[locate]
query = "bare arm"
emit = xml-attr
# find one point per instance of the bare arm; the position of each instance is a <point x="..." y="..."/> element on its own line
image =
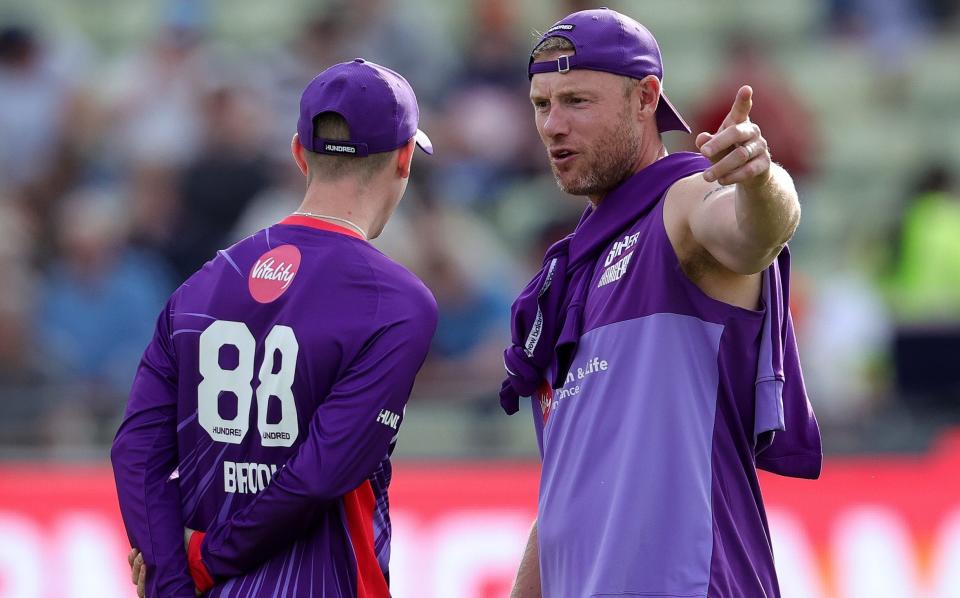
<point x="744" y="208"/>
<point x="527" y="584"/>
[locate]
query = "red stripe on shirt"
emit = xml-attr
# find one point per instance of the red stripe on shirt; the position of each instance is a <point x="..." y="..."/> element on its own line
<point x="359" y="505"/>
<point x="312" y="222"/>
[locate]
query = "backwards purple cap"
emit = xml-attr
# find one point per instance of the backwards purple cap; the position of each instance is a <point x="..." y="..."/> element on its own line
<point x="605" y="40"/>
<point x="378" y="104"/>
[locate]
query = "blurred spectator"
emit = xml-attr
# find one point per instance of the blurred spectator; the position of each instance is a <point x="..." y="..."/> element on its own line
<point x="472" y="316"/>
<point x="892" y="30"/>
<point x="151" y="96"/>
<point x="787" y="124"/>
<point x="274" y="203"/>
<point x="407" y="38"/>
<point x="286" y="70"/>
<point x="42" y="115"/>
<point x="200" y="145"/>
<point x="21" y="369"/>
<point x="924" y="284"/>
<point x="341" y="30"/>
<point x="924" y="289"/>
<point x="942" y="14"/>
<point x="98" y="301"/>
<point x="216" y="187"/>
<point x="843" y="339"/>
<point x="153" y="204"/>
<point x="472" y="277"/>
<point x="489" y="136"/>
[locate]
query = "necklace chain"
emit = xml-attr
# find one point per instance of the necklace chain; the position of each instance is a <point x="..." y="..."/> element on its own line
<point x="362" y="232"/>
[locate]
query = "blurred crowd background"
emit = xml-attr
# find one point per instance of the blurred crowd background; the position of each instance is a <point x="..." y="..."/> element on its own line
<point x="139" y="136"/>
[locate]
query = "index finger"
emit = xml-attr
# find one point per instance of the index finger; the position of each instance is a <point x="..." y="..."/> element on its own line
<point x="740" y="111"/>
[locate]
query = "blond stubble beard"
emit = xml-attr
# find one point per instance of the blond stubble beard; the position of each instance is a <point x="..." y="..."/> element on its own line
<point x="607" y="163"/>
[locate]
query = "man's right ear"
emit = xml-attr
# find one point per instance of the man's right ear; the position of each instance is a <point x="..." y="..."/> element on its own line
<point x="296" y="148"/>
<point x="405" y="158"/>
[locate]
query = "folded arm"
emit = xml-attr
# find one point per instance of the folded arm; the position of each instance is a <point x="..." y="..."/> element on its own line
<point x="144" y="454"/>
<point x="350" y="434"/>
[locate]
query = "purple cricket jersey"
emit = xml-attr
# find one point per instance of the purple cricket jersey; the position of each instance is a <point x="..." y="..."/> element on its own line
<point x="652" y="439"/>
<point x="264" y="413"/>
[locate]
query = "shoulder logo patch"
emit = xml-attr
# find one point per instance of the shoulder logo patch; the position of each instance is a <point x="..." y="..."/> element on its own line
<point x="272" y="274"/>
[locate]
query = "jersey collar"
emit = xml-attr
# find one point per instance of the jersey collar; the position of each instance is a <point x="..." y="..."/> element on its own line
<point x="317" y="223"/>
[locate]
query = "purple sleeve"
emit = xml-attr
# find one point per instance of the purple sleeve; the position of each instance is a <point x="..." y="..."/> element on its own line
<point x="350" y="434"/>
<point x="144" y="454"/>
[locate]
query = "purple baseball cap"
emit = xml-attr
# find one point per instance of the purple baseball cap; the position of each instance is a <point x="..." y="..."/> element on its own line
<point x="378" y="104"/>
<point x="605" y="40"/>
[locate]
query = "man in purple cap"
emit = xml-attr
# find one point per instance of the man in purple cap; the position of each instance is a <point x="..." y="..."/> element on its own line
<point x="327" y="334"/>
<point x="656" y="342"/>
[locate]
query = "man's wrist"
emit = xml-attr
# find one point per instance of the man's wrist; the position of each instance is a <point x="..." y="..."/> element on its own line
<point x="761" y="185"/>
<point x="198" y="571"/>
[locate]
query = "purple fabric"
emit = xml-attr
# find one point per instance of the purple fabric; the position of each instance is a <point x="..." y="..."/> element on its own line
<point x="378" y="104"/>
<point x="605" y="40"/>
<point x="785" y="427"/>
<point x="625" y="498"/>
<point x="363" y="324"/>
<point x="651" y="440"/>
<point x="659" y="456"/>
<point x="547" y="317"/>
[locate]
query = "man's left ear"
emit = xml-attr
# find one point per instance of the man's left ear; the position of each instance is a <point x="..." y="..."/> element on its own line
<point x="649" y="90"/>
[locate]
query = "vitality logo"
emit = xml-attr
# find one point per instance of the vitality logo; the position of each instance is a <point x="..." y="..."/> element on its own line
<point x="272" y="274"/>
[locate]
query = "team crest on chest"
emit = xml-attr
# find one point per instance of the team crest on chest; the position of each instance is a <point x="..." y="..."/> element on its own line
<point x="545" y="396"/>
<point x="616" y="264"/>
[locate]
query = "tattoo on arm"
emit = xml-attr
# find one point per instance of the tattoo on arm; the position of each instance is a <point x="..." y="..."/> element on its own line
<point x="714" y="190"/>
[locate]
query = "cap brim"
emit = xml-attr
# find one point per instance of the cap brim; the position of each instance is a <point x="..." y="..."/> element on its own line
<point x="668" y="117"/>
<point x="424" y="142"/>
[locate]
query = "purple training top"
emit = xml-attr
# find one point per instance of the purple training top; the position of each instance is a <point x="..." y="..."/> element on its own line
<point x="651" y="438"/>
<point x="264" y="413"/>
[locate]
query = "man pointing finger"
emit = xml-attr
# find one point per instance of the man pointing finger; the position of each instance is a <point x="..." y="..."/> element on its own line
<point x="676" y="282"/>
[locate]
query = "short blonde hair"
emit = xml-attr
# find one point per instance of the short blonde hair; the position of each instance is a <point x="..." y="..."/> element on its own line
<point x="330" y="125"/>
<point x="552" y="44"/>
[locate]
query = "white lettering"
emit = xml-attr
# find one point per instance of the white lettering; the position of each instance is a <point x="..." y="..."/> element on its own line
<point x="946" y="560"/>
<point x="620" y="246"/>
<point x="263" y="476"/>
<point x="247" y="478"/>
<point x="229" y="476"/>
<point x="796" y="559"/>
<point x="594" y="365"/>
<point x="549" y="279"/>
<point x="265" y="270"/>
<point x="534" y="337"/>
<point x="874" y="538"/>
<point x="242" y="477"/>
<point x="228" y="431"/>
<point x="84" y="539"/>
<point x="21" y="556"/>
<point x="389" y="419"/>
<point x="615" y="272"/>
<point x="346" y="149"/>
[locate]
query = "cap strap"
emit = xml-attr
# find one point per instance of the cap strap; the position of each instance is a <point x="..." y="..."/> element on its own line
<point x="563" y="64"/>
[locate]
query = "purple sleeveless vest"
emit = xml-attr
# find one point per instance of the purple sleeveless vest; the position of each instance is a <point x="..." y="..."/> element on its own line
<point x="663" y="404"/>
